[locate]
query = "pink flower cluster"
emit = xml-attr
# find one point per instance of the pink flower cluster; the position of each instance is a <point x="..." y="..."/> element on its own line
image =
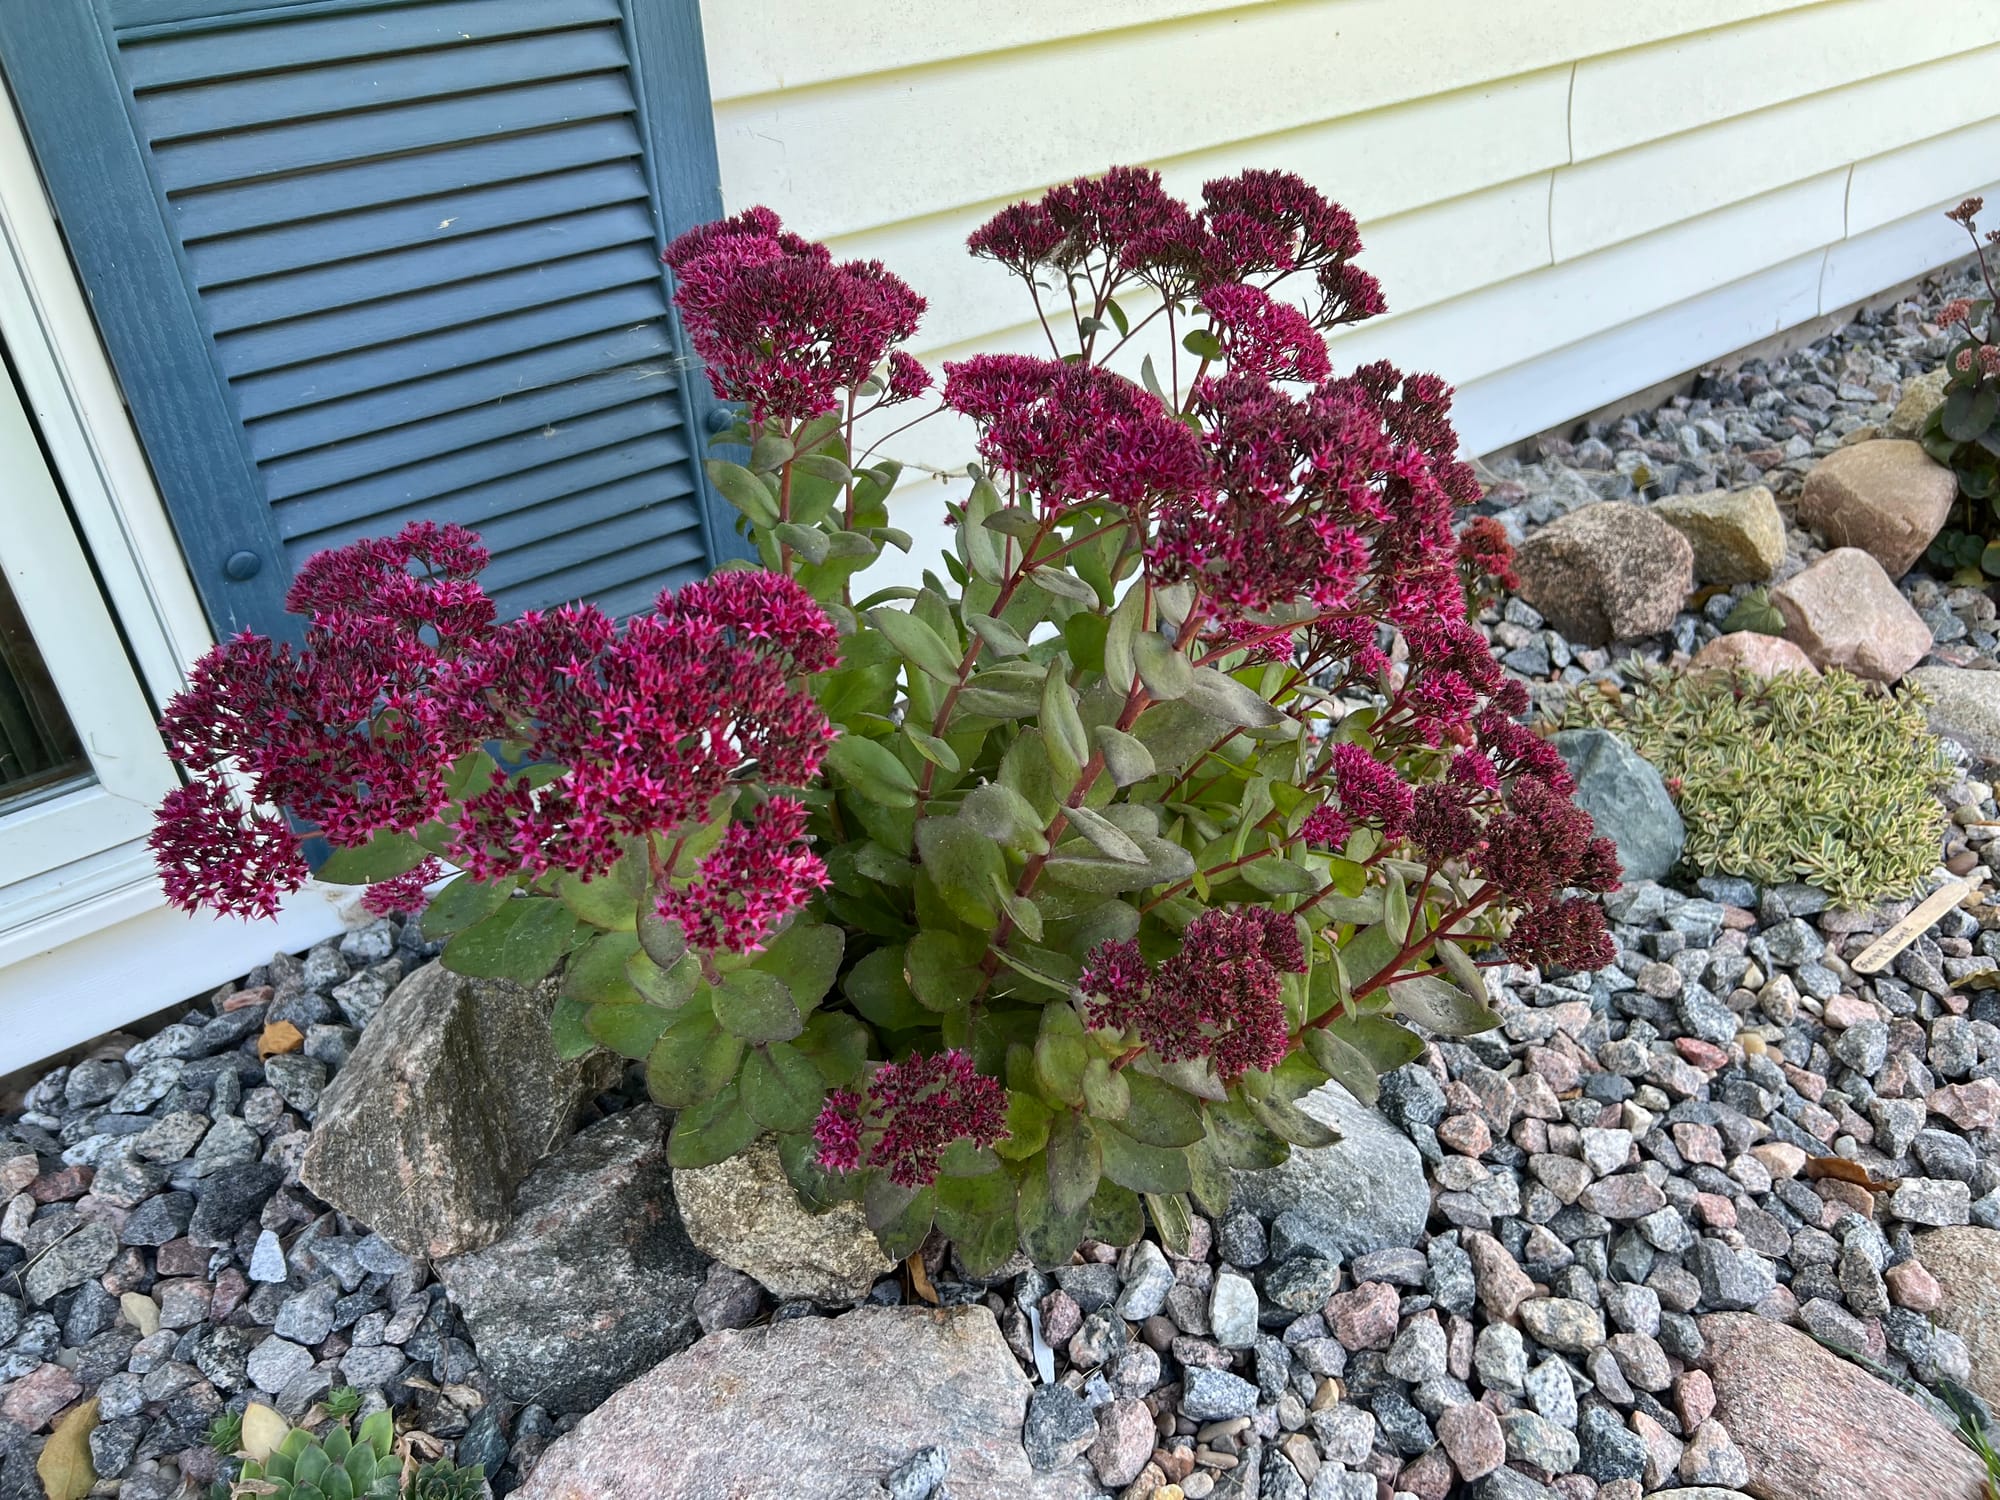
<point x="1219" y="997"/>
<point x="404" y="672"/>
<point x="1073" y="432"/>
<point x="911" y="1111"/>
<point x="1125" y="226"/>
<point x="761" y="873"/>
<point x="781" y="326"/>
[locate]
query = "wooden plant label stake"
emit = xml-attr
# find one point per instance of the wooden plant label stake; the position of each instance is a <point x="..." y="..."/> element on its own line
<point x="1877" y="954"/>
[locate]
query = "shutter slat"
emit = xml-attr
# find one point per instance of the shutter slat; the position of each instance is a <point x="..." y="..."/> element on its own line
<point x="375" y="32"/>
<point x="299" y="386"/>
<point x="329" y="191"/>
<point x="304" y="293"/>
<point x="406" y="255"/>
<point x="400" y="447"/>
<point x="350" y="328"/>
<point x="426" y="221"/>
<point x="605" y="558"/>
<point x="412" y="127"/>
<point x="434" y="479"/>
<point x="458" y="390"/>
<point x="600" y="483"/>
<point x="347" y="88"/>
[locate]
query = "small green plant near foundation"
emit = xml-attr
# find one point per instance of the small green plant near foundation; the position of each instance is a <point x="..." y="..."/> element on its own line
<point x="1972" y="1432"/>
<point x="342" y="1401"/>
<point x="1818" y="779"/>
<point x="1755" y="612"/>
<point x="225" y="1433"/>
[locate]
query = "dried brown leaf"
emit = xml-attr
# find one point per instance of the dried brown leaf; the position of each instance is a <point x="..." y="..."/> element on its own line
<point x="920" y="1279"/>
<point x="280" y="1036"/>
<point x="1842" y="1170"/>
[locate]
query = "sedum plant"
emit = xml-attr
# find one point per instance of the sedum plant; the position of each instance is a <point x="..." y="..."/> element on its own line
<point x="1007" y="899"/>
<point x="1963" y="433"/>
<point x="334" y="1466"/>
<point x="1800" y="777"/>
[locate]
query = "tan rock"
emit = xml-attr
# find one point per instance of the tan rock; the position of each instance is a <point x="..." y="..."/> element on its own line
<point x="1843" y="611"/>
<point x="744" y="1213"/>
<point x="1763" y="656"/>
<point x="1964" y="1263"/>
<point x="811" y="1408"/>
<point x="1606" y="572"/>
<point x="1922" y="395"/>
<point x="1810" y="1425"/>
<point x="1738" y="535"/>
<point x="1887" y="497"/>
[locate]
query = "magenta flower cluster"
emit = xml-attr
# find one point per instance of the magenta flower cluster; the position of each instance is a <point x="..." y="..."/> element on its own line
<point x="910" y="1112"/>
<point x="782" y="327"/>
<point x="403" y="672"/>
<point x="1220" y="996"/>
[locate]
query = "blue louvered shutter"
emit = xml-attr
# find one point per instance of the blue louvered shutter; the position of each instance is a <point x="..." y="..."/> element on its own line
<point x="361" y="262"/>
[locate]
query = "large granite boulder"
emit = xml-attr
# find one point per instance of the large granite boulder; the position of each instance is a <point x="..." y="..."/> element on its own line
<point x="1367" y="1191"/>
<point x="453" y="1093"/>
<point x="744" y="1213"/>
<point x="1606" y="572"/>
<point x="1844" y="612"/>
<point x="1811" y="1425"/>
<point x="1737" y="535"/>
<point x="595" y="1280"/>
<point x="1627" y="800"/>
<point x="1965" y="706"/>
<point x="1965" y="1263"/>
<point x="812" y="1409"/>
<point x="1888" y="497"/>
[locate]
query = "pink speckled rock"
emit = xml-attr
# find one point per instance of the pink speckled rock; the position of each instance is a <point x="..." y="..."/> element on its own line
<point x="1763" y="656"/>
<point x="1844" y="612"/>
<point x="1810" y="1425"/>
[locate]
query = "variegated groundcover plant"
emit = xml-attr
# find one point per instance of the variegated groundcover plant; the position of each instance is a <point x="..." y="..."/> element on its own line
<point x="1006" y="901"/>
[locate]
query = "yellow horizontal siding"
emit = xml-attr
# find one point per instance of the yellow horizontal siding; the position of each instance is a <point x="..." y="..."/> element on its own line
<point x="764" y="46"/>
<point x="1541" y="184"/>
<point x="1644" y="93"/>
<point x="1606" y="199"/>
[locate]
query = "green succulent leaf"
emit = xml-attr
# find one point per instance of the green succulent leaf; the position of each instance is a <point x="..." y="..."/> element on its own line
<point x="712" y="1131"/>
<point x="522" y="941"/>
<point x="693" y="1058"/>
<point x="755" y="1005"/>
<point x="873" y="770"/>
<point x="385" y="856"/>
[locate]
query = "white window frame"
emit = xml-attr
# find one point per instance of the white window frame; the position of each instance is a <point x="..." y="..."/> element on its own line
<point x="86" y="941"/>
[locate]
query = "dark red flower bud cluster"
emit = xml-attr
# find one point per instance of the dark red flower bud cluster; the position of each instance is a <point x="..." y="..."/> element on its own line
<point x="403" y="673"/>
<point x="910" y="1112"/>
<point x="1220" y="997"/>
<point x="782" y="327"/>
<point x="1074" y="432"/>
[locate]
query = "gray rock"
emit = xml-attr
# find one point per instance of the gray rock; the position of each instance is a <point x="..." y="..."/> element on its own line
<point x="1607" y="1449"/>
<point x="1147" y="1283"/>
<point x="1562" y="1323"/>
<point x="1057" y="1429"/>
<point x="1533" y="1439"/>
<point x="277" y="1362"/>
<point x="1368" y="1189"/>
<point x="1730" y="1279"/>
<point x="453" y="1094"/>
<point x="810" y="1408"/>
<point x="69" y="1262"/>
<point x="1965" y="706"/>
<point x="918" y="1476"/>
<point x="595" y="1279"/>
<point x="1232" y="1311"/>
<point x="1216" y="1395"/>
<point x="744" y="1213"/>
<point x="307" y="1317"/>
<point x="1627" y="800"/>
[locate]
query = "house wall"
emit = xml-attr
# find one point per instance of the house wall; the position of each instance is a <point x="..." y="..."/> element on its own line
<point x="1565" y="200"/>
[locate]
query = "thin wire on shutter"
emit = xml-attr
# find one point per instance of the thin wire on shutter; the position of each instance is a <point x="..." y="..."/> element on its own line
<point x="421" y="242"/>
